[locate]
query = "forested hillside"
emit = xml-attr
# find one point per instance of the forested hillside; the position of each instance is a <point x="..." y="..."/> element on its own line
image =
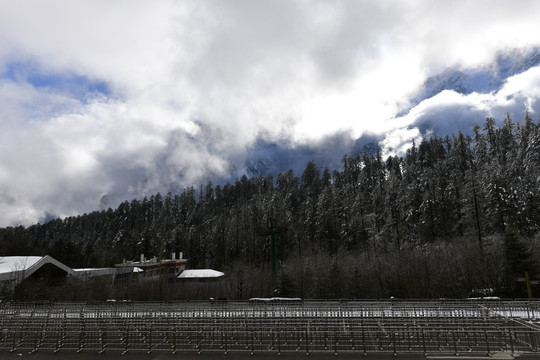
<point x="454" y="214"/>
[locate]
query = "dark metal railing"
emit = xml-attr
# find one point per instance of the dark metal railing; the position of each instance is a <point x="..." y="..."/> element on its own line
<point x="364" y="327"/>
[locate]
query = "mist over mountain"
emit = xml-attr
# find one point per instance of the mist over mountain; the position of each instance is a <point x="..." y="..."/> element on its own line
<point x="266" y="157"/>
<point x="274" y="157"/>
<point x="183" y="93"/>
<point x="454" y="100"/>
<point x="486" y="78"/>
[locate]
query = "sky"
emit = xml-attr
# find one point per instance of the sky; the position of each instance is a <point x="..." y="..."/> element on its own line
<point x="103" y="101"/>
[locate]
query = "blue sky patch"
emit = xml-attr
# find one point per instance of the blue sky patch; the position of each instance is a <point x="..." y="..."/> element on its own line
<point x="66" y="83"/>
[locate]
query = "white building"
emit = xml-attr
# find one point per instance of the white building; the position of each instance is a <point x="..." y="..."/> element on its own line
<point x="16" y="269"/>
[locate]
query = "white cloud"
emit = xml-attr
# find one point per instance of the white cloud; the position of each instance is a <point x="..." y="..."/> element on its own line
<point x="192" y="84"/>
<point x="398" y="140"/>
<point x="449" y="111"/>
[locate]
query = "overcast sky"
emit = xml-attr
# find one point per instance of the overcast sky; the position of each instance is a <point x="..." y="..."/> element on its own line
<point x="127" y="98"/>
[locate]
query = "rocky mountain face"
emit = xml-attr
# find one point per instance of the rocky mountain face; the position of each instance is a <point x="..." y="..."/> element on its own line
<point x="274" y="157"/>
<point x="484" y="79"/>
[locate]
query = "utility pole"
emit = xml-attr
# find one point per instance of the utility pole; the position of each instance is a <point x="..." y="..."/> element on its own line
<point x="272" y="231"/>
<point x="529" y="291"/>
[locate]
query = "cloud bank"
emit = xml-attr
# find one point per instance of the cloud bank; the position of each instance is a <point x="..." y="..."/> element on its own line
<point x="449" y="112"/>
<point x="102" y="100"/>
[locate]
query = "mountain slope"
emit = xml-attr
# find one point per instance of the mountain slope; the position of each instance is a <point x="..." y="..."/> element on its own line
<point x="273" y="157"/>
<point x="483" y="79"/>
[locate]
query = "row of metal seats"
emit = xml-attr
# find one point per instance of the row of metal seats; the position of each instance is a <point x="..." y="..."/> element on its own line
<point x="284" y="328"/>
<point x="329" y="308"/>
<point x="366" y="340"/>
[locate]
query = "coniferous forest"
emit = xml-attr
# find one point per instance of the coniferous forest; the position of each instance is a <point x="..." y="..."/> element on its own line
<point x="454" y="214"/>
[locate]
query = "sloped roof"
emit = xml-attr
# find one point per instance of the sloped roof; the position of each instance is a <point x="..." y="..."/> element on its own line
<point x="91" y="272"/>
<point x="20" y="267"/>
<point x="200" y="274"/>
<point x="17" y="263"/>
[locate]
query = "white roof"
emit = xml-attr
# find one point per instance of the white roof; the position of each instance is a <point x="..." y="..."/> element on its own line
<point x="19" y="268"/>
<point x="91" y="272"/>
<point x="284" y="299"/>
<point x="200" y="274"/>
<point x="17" y="263"/>
<point x="89" y="269"/>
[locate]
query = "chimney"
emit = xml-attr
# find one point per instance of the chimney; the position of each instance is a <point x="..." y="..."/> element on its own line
<point x="142" y="258"/>
<point x="180" y="255"/>
<point x="173" y="256"/>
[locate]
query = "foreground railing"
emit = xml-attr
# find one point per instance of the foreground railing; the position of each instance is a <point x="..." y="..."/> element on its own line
<point x="396" y="327"/>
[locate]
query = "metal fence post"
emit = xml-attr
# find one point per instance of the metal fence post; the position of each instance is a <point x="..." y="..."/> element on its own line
<point x="487" y="342"/>
<point x="511" y="342"/>
<point x="335" y="343"/>
<point x="394" y="343"/>
<point x="455" y="343"/>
